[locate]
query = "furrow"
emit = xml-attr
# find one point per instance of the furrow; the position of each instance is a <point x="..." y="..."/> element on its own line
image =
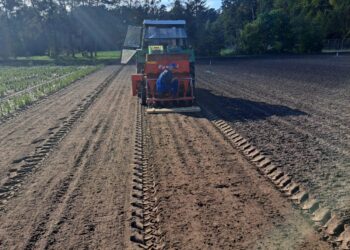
<point x="334" y="229"/>
<point x="16" y="176"/>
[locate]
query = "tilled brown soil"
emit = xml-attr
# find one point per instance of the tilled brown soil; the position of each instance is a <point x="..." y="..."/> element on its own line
<point x="20" y="135"/>
<point x="296" y="110"/>
<point x="212" y="198"/>
<point x="78" y="197"/>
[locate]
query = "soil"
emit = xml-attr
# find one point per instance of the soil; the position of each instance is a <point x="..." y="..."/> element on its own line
<point x="210" y="197"/>
<point x="20" y="135"/>
<point x="294" y="109"/>
<point x="77" y="199"/>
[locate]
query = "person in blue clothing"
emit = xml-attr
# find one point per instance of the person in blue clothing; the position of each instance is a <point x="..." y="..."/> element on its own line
<point x="166" y="83"/>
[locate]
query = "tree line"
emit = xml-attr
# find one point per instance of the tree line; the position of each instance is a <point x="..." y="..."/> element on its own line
<point x="67" y="27"/>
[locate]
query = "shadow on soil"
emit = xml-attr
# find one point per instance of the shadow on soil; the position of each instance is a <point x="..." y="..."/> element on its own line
<point x="243" y="110"/>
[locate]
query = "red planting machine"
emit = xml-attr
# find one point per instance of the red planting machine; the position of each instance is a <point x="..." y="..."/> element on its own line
<point x="163" y="46"/>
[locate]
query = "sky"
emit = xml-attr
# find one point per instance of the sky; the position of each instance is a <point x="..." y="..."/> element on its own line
<point x="216" y="4"/>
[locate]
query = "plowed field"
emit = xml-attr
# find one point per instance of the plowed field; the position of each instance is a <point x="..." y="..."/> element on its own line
<point x="296" y="110"/>
<point x="68" y="175"/>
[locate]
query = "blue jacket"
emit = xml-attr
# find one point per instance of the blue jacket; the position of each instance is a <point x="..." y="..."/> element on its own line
<point x="166" y="83"/>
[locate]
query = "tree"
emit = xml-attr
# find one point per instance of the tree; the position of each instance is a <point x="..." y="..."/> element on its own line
<point x="177" y="10"/>
<point x="270" y="32"/>
<point x="59" y="27"/>
<point x="235" y="15"/>
<point x="338" y="24"/>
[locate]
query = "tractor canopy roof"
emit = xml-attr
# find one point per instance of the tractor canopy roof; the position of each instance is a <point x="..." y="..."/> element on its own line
<point x="164" y="22"/>
<point x="164" y="29"/>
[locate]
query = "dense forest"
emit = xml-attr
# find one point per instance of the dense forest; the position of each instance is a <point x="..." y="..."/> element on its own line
<point x="67" y="27"/>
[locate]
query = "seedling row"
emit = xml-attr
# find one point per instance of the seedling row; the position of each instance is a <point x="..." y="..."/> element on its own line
<point x="20" y="87"/>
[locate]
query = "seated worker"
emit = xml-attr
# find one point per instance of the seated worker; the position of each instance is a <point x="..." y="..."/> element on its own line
<point x="166" y="83"/>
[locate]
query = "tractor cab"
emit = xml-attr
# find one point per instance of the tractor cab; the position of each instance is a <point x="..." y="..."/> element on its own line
<point x="167" y="37"/>
<point x="164" y="36"/>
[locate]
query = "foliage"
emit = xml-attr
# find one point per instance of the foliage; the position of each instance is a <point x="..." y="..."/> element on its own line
<point x="235" y="15"/>
<point x="275" y="26"/>
<point x="22" y="86"/>
<point x="14" y="79"/>
<point x="78" y="29"/>
<point x="270" y="32"/>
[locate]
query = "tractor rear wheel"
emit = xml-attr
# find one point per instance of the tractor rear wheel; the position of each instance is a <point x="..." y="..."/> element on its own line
<point x="143" y="96"/>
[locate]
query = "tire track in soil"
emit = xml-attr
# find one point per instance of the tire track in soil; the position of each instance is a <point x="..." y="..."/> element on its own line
<point x="63" y="197"/>
<point x="309" y="147"/>
<point x="292" y="123"/>
<point x="210" y="198"/>
<point x="331" y="226"/>
<point x="336" y="124"/>
<point x="109" y="140"/>
<point x="275" y="95"/>
<point x="146" y="232"/>
<point x="12" y="184"/>
<point x="29" y="129"/>
<point x="84" y="204"/>
<point x="280" y="126"/>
